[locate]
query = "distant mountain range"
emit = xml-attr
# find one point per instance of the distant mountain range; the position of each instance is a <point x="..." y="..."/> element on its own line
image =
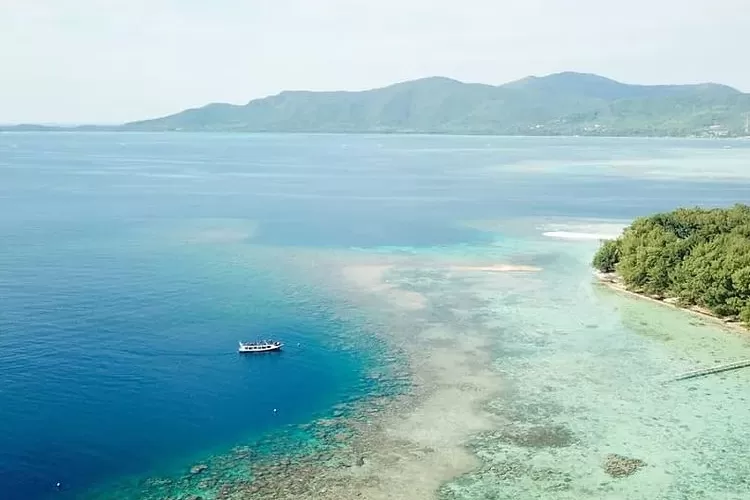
<point x="558" y="104"/>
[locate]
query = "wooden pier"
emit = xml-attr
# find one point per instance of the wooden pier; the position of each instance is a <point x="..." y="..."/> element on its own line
<point x="714" y="369"/>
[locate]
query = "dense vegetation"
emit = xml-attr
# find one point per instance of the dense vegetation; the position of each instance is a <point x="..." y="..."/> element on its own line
<point x="700" y="256"/>
<point x="559" y="104"/>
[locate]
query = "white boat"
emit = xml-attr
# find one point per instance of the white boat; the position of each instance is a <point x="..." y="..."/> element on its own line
<point x="262" y="346"/>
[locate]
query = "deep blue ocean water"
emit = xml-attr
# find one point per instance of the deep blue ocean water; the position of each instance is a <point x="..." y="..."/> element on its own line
<point x="117" y="338"/>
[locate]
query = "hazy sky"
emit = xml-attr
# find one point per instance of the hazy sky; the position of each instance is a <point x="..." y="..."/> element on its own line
<point x="118" y="60"/>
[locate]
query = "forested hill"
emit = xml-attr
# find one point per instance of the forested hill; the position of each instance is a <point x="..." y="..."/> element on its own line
<point x="559" y="104"/>
<point x="700" y="256"/>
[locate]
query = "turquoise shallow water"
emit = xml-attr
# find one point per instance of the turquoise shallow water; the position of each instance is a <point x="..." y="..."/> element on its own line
<point x="587" y="373"/>
<point x="582" y="372"/>
<point x="132" y="263"/>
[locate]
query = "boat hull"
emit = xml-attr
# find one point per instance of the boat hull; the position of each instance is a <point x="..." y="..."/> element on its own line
<point x="257" y="349"/>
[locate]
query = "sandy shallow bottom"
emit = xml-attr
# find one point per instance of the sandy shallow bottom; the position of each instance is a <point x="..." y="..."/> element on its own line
<point x="615" y="285"/>
<point x="525" y="381"/>
<point x="530" y="382"/>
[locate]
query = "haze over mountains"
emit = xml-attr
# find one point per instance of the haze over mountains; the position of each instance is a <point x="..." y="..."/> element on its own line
<point x="558" y="104"/>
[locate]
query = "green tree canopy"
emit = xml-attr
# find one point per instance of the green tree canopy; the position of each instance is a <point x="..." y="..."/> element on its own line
<point x="701" y="256"/>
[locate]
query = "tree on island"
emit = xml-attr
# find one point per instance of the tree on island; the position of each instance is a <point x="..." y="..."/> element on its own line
<point x="699" y="256"/>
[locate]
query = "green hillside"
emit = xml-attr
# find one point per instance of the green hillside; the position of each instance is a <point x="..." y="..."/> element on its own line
<point x="559" y="104"/>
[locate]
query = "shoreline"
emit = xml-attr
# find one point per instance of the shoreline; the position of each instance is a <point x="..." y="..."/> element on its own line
<point x="455" y="430"/>
<point x="125" y="129"/>
<point x="613" y="282"/>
